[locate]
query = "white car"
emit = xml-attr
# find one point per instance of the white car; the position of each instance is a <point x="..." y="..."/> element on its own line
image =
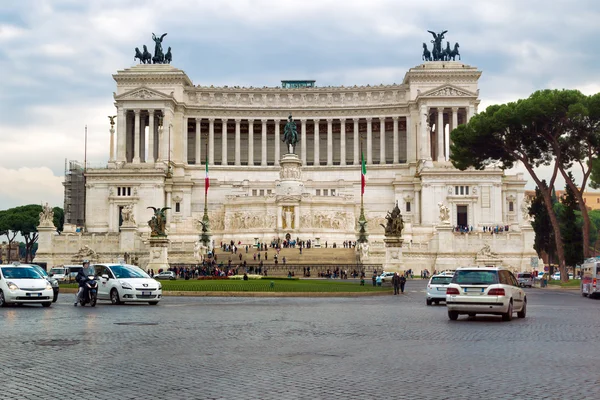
<point x="58" y="273"/>
<point x="24" y="284"/>
<point x="121" y="283"/>
<point x="386" y="276"/>
<point x="436" y="288"/>
<point x="485" y="290"/>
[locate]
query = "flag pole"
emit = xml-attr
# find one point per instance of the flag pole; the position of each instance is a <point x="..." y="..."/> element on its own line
<point x="362" y="220"/>
<point x="205" y="236"/>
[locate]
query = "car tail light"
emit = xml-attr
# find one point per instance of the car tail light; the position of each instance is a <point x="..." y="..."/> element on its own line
<point x="594" y="281"/>
<point x="452" y="290"/>
<point x="496" y="292"/>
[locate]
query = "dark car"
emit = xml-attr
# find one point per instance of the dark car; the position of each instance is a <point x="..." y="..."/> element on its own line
<point x="53" y="281"/>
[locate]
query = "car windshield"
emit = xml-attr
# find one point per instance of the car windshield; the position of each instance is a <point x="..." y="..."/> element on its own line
<point x="128" y="271"/>
<point x="441" y="280"/>
<point x="526" y="276"/>
<point x="475" y="277"/>
<point x="57" y="271"/>
<point x="41" y="270"/>
<point x="20" y="273"/>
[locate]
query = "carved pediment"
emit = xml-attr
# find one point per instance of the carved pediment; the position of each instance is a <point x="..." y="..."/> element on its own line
<point x="142" y="93"/>
<point x="448" y="91"/>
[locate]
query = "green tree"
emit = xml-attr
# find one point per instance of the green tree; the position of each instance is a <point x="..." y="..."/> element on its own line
<point x="525" y="131"/>
<point x="7" y="228"/>
<point x="544" y="242"/>
<point x="25" y="220"/>
<point x="571" y="228"/>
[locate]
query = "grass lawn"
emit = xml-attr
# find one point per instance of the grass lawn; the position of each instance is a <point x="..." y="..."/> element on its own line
<point x="264" y="285"/>
<point x="569" y="283"/>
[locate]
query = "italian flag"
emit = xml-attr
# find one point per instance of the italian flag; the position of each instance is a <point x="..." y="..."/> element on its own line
<point x="363" y="174"/>
<point x="206" y="180"/>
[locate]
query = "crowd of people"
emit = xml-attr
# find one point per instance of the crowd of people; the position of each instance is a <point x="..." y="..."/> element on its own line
<point x="492" y="229"/>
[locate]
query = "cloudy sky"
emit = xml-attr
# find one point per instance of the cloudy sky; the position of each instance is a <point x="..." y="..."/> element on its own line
<point x="57" y="58"/>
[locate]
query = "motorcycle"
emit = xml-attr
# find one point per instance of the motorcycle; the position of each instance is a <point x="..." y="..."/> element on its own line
<point x="90" y="293"/>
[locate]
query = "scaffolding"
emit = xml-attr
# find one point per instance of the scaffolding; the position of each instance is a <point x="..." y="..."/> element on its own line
<point x="74" y="184"/>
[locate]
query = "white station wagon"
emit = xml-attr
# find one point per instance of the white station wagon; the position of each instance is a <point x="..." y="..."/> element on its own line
<point x="485" y="290"/>
<point x="122" y="283"/>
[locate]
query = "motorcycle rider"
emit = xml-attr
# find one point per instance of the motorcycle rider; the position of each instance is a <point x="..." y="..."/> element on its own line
<point x="82" y="278"/>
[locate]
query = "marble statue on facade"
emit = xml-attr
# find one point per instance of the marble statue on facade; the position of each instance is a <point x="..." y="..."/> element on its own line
<point x="525" y="205"/>
<point x="158" y="222"/>
<point x="486" y="252"/>
<point x="47" y="215"/>
<point x="197" y="247"/>
<point x="444" y="213"/>
<point x="127" y="215"/>
<point x="395" y="224"/>
<point x="290" y="135"/>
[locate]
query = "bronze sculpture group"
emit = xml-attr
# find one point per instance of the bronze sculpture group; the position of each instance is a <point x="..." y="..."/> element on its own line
<point x="437" y="53"/>
<point x="290" y="135"/>
<point x="159" y="57"/>
<point x="395" y="224"/>
<point x="158" y="222"/>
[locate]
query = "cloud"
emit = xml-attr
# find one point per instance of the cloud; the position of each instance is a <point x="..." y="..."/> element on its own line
<point x="23" y="185"/>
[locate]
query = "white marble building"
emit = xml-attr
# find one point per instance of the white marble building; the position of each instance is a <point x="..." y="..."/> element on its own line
<point x="164" y="119"/>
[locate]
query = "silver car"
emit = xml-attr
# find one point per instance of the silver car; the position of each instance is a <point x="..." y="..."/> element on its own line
<point x="525" y="279"/>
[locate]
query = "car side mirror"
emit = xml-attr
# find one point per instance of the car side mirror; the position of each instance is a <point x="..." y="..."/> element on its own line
<point x="105" y="276"/>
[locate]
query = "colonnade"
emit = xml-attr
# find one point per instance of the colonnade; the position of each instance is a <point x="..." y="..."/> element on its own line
<point x="257" y="142"/>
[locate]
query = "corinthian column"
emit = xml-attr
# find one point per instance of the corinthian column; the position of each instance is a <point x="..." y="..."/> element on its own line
<point x="198" y="141"/>
<point x="224" y="142"/>
<point x="151" y="132"/>
<point x="277" y="142"/>
<point x="303" y="141"/>
<point x="440" y="134"/>
<point x="111" y="157"/>
<point x="342" y="141"/>
<point x="238" y="123"/>
<point x="211" y="141"/>
<point x="329" y="141"/>
<point x="250" y="142"/>
<point x="395" y="141"/>
<point x="316" y="138"/>
<point x="263" y="147"/>
<point x="136" y="138"/>
<point x="382" y="140"/>
<point x="356" y="142"/>
<point x="369" y="141"/>
<point x="121" y="134"/>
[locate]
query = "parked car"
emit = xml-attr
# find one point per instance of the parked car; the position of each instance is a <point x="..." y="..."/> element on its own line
<point x="166" y="275"/>
<point x="122" y="283"/>
<point x="525" y="279"/>
<point x="436" y="289"/>
<point x="485" y="290"/>
<point x="53" y="281"/>
<point x="386" y="277"/>
<point x="22" y="284"/>
<point x="58" y="273"/>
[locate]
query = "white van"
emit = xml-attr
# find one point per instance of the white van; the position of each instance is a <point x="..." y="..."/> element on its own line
<point x="59" y="273"/>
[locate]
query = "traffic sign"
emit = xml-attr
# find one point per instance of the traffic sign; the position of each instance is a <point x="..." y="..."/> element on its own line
<point x="546" y="268"/>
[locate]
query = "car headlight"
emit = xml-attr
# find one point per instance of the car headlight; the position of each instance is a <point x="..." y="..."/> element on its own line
<point x="12" y="286"/>
<point x="126" y="285"/>
<point x="159" y="286"/>
<point x="48" y="286"/>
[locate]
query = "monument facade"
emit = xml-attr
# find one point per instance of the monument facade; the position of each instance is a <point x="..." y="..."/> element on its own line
<point x="268" y="178"/>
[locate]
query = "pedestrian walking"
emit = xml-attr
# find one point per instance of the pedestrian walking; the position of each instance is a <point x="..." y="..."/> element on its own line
<point x="402" y="283"/>
<point x="374" y="278"/>
<point x="396" y="283"/>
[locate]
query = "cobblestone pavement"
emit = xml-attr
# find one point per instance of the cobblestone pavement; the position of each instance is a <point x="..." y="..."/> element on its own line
<point x="392" y="347"/>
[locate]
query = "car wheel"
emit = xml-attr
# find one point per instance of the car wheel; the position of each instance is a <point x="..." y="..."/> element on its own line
<point x="153" y="303"/>
<point x="453" y="315"/>
<point x="584" y="294"/>
<point x="114" y="297"/>
<point x="523" y="312"/>
<point x="55" y="298"/>
<point x="437" y="302"/>
<point x="2" y="300"/>
<point x="47" y="304"/>
<point x="471" y="315"/>
<point x="509" y="313"/>
<point x="428" y="301"/>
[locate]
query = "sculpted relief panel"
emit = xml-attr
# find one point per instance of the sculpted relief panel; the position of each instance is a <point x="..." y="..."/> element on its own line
<point x="336" y="220"/>
<point x="250" y="220"/>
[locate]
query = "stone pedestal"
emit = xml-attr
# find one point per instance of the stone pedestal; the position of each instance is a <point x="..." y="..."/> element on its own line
<point x="159" y="257"/>
<point x="127" y="238"/>
<point x="393" y="254"/>
<point x="290" y="176"/>
<point x="445" y="238"/>
<point x="44" y="251"/>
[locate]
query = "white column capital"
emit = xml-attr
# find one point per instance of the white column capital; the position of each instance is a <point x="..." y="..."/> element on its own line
<point x="329" y="120"/>
<point x="395" y="118"/>
<point x="250" y="121"/>
<point x="342" y="120"/>
<point x="198" y="120"/>
<point x="211" y="120"/>
<point x="355" y="120"/>
<point x="369" y="119"/>
<point x="455" y="109"/>
<point x="151" y="112"/>
<point x="264" y="120"/>
<point x="382" y="119"/>
<point x="303" y="120"/>
<point x="136" y="111"/>
<point x="238" y="120"/>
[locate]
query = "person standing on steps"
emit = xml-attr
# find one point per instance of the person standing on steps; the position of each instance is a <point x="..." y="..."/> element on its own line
<point x="402" y="283"/>
<point x="396" y="283"/>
